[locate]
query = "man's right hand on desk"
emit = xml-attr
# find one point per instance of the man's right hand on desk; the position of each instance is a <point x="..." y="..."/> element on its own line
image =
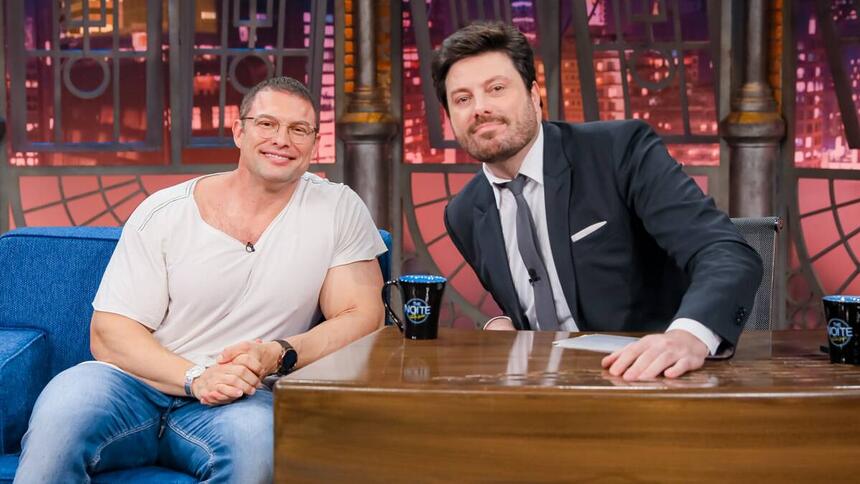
<point x="671" y="354"/>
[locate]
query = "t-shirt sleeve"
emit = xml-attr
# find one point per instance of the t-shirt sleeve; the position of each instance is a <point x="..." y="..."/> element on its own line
<point x="356" y="236"/>
<point x="134" y="284"/>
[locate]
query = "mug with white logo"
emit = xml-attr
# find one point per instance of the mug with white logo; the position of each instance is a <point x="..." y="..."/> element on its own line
<point x="422" y="300"/>
<point x="843" y="328"/>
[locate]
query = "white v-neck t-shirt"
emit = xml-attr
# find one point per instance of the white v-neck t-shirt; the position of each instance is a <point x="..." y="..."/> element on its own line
<point x="201" y="290"/>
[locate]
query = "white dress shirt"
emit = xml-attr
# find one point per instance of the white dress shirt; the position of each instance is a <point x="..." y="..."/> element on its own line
<point x="532" y="168"/>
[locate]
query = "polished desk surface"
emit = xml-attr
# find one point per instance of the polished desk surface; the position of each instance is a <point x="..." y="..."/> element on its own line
<point x="505" y="406"/>
<point x="466" y="360"/>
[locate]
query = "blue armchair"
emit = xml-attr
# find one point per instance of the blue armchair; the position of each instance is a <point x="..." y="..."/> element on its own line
<point x="48" y="278"/>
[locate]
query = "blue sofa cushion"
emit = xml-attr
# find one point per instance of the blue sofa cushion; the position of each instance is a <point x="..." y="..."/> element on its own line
<point x="50" y="276"/>
<point x="8" y="464"/>
<point x="23" y="373"/>
<point x="138" y="475"/>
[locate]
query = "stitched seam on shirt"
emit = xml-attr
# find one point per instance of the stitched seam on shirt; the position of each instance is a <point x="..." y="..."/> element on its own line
<point x="163" y="205"/>
<point x="316" y="180"/>
<point x="198" y="442"/>
<point x="98" y="455"/>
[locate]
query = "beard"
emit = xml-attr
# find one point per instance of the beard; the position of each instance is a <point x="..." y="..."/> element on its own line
<point x="492" y="147"/>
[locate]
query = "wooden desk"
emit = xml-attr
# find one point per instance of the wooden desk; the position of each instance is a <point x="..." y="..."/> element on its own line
<point x="501" y="406"/>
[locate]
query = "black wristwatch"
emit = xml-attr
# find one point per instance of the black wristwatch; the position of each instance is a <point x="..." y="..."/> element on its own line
<point x="288" y="358"/>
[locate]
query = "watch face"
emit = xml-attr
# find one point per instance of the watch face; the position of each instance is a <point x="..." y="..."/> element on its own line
<point x="290" y="359"/>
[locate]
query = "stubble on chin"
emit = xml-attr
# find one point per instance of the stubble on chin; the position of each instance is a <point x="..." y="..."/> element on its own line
<point x="490" y="151"/>
<point x="491" y="148"/>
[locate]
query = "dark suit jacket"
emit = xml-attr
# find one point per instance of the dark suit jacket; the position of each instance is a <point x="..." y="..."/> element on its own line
<point x="666" y="251"/>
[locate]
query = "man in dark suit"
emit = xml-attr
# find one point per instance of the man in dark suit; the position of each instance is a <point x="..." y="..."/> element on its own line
<point x="588" y="227"/>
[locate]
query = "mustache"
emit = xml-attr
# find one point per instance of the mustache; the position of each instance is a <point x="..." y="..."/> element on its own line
<point x="486" y="119"/>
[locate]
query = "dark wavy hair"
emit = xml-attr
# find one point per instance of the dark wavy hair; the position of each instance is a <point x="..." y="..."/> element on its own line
<point x="478" y="38"/>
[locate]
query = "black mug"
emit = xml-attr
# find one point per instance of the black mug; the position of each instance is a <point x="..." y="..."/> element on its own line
<point x="843" y="328"/>
<point x="422" y="300"/>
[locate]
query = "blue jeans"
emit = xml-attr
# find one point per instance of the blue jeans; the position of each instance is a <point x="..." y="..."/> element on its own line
<point x="93" y="418"/>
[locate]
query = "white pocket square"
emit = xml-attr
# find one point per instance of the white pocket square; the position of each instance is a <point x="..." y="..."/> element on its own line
<point x="587" y="231"/>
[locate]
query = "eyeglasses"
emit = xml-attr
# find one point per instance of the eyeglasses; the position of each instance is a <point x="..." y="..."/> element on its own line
<point x="269" y="128"/>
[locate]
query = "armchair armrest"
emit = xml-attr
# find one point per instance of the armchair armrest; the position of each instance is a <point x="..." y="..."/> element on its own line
<point x="23" y="374"/>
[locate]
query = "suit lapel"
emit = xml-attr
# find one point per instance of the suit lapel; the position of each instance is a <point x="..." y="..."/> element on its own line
<point x="557" y="186"/>
<point x="494" y="259"/>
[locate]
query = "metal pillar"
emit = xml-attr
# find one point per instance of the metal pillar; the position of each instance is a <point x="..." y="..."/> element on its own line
<point x="366" y="127"/>
<point x="754" y="128"/>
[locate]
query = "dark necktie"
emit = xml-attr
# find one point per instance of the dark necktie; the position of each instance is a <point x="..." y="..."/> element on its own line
<point x="527" y="240"/>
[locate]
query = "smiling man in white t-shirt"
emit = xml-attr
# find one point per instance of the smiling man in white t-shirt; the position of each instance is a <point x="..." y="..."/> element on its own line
<point x="215" y="284"/>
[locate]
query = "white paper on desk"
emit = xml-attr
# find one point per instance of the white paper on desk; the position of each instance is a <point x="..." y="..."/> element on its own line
<point x="603" y="343"/>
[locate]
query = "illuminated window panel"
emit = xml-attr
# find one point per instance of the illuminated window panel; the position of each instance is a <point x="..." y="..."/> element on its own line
<point x="84" y="79"/>
<point x="238" y="44"/>
<point x="821" y="139"/>
<point x="94" y="126"/>
<point x="89" y="82"/>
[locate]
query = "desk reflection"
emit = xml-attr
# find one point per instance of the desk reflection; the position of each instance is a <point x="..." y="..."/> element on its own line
<point x="528" y="359"/>
<point x="486" y="406"/>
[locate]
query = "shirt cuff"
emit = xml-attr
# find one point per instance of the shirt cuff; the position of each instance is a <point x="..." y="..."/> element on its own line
<point x="699" y="330"/>
<point x="492" y="320"/>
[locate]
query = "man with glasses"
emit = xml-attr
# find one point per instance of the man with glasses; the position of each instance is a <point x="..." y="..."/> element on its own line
<point x="215" y="285"/>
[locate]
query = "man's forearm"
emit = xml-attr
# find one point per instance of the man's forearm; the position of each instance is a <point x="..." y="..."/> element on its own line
<point x="350" y="299"/>
<point x="129" y="345"/>
<point x="334" y="334"/>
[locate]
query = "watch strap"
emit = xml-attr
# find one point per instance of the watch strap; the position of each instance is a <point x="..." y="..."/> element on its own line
<point x="288" y="358"/>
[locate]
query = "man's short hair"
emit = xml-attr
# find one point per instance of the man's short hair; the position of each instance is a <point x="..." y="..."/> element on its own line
<point x="478" y="38"/>
<point x="280" y="84"/>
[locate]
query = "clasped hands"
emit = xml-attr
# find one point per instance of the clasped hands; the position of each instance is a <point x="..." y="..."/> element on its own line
<point x="671" y="354"/>
<point x="239" y="371"/>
